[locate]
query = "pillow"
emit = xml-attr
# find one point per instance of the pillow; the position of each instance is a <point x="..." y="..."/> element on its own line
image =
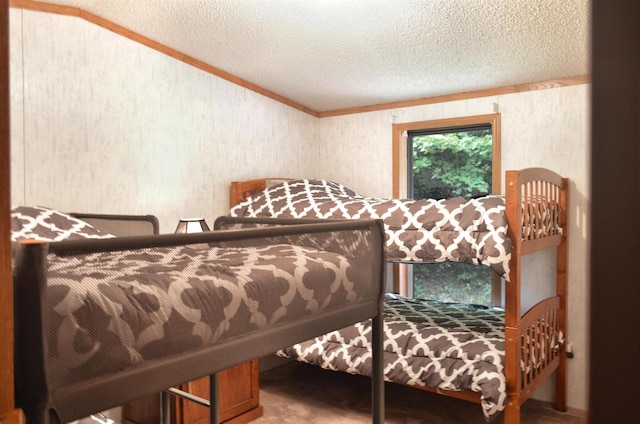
<point x="40" y="223"/>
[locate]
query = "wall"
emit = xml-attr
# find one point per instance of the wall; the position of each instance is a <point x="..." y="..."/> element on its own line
<point x="548" y="128"/>
<point x="103" y="124"/>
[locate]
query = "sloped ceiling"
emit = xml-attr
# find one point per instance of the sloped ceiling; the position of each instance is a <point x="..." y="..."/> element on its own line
<point x="329" y="55"/>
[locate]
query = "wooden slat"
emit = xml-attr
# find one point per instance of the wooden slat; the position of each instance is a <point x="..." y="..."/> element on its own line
<point x="7" y="394"/>
<point x="562" y="287"/>
<point x="526" y="392"/>
<point x="468" y="396"/>
<point x="45" y="7"/>
<point x="514" y="214"/>
<point x="528" y="175"/>
<point x="532" y="246"/>
<point x="510" y="89"/>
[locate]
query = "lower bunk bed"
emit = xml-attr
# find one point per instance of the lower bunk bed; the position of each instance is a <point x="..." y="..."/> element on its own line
<point x="103" y="320"/>
<point x="494" y="356"/>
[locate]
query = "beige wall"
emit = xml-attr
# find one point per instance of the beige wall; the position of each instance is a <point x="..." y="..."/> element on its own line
<point x="103" y="124"/>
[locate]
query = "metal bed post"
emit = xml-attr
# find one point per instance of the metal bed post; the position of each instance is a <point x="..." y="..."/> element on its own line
<point x="377" y="363"/>
<point x="212" y="404"/>
<point x="165" y="408"/>
<point x="214" y="396"/>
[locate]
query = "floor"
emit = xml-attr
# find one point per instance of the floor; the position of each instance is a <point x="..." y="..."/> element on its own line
<point x="301" y="393"/>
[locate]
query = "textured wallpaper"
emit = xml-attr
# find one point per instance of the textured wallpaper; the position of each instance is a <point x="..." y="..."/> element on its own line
<point x="17" y="102"/>
<point x="104" y="124"/>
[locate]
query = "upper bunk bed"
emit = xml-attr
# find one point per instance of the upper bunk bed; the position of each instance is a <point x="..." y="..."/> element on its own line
<point x="103" y="320"/>
<point x="494" y="356"/>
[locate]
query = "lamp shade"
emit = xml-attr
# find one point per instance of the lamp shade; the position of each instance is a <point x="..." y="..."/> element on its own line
<point x="192" y="225"/>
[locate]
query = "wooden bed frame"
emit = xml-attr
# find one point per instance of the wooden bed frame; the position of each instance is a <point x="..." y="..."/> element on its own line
<point x="529" y="192"/>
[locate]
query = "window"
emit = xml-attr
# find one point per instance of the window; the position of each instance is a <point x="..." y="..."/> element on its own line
<point x="441" y="159"/>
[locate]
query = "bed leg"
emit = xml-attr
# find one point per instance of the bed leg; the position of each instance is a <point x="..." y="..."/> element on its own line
<point x="165" y="408"/>
<point x="377" y="382"/>
<point x="212" y="403"/>
<point x="512" y="413"/>
<point x="47" y="416"/>
<point x="214" y="397"/>
<point x="561" y="386"/>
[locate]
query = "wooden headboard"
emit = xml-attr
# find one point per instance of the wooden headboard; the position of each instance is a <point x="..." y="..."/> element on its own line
<point x="240" y="190"/>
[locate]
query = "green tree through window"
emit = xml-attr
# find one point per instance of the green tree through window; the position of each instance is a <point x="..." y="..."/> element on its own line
<point x="448" y="164"/>
<point x="445" y="163"/>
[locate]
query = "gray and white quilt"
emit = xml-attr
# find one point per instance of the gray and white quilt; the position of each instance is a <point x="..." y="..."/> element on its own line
<point x="458" y="229"/>
<point x="110" y="311"/>
<point x="426" y="343"/>
<point x="46" y="224"/>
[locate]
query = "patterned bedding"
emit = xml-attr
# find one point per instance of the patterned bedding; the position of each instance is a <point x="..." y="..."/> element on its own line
<point x="110" y="311"/>
<point x="458" y="229"/>
<point x="427" y="343"/>
<point x="41" y="223"/>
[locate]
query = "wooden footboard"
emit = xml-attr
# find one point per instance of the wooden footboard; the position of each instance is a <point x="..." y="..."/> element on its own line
<point x="542" y="341"/>
<point x="536" y="205"/>
<point x="541" y="346"/>
<point x="537" y="213"/>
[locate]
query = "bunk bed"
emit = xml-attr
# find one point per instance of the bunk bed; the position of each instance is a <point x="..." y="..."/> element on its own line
<point x="103" y="320"/>
<point x="494" y="356"/>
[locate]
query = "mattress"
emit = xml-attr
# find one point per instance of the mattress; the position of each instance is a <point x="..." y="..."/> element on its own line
<point x="427" y="343"/>
<point x="428" y="230"/>
<point x="115" y="310"/>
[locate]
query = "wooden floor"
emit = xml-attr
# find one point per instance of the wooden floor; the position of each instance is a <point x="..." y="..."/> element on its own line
<point x="300" y="393"/>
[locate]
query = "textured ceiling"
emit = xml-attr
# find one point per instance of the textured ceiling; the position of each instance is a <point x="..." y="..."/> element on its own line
<point x="334" y="54"/>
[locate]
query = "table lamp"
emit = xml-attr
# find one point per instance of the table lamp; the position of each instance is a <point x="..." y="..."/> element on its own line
<point x="192" y="225"/>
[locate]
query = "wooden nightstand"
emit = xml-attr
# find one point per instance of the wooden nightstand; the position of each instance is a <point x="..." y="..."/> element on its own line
<point x="239" y="400"/>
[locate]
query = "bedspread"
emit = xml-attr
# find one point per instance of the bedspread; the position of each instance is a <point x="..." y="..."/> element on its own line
<point x="447" y="346"/>
<point x="42" y="223"/>
<point x="113" y="310"/>
<point x="458" y="229"/>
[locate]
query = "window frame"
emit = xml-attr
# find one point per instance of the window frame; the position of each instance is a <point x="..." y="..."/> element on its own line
<point x="399" y="169"/>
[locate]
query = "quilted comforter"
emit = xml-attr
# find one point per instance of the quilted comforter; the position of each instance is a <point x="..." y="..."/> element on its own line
<point x="110" y="311"/>
<point x="46" y="224"/>
<point x="458" y="229"/>
<point x="427" y="343"/>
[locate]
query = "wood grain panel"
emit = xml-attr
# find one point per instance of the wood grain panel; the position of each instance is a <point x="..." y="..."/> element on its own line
<point x="510" y="89"/>
<point x="45" y="7"/>
<point x="6" y="286"/>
